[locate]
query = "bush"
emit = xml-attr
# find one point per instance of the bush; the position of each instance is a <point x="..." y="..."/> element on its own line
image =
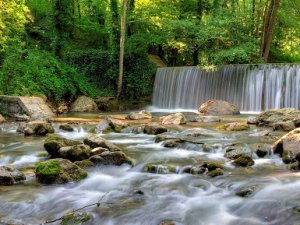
<point x="101" y="68"/>
<point x="36" y="72"/>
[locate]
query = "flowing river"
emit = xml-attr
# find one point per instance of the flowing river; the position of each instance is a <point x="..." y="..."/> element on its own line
<point x="132" y="196"/>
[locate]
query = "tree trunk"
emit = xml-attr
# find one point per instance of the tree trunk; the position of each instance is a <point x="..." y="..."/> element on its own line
<point x="269" y="27"/>
<point x="122" y="42"/>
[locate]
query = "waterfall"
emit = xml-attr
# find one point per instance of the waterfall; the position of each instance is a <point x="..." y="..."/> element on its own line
<point x="250" y="87"/>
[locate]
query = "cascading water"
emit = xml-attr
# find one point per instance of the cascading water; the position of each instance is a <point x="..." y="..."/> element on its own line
<point x="251" y="87"/>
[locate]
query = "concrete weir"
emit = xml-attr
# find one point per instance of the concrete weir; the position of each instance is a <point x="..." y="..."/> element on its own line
<point x="35" y="107"/>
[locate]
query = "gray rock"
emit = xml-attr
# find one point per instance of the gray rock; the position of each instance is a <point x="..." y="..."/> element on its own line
<point x="252" y="120"/>
<point x="154" y="128"/>
<point x="139" y="115"/>
<point x="22" y="117"/>
<point x="40" y="128"/>
<point x="75" y="153"/>
<point x="95" y="141"/>
<point x="10" y="175"/>
<point x="116" y="158"/>
<point x="84" y="104"/>
<point x="206" y="119"/>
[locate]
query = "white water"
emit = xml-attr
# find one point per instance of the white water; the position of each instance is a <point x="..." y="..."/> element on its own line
<point x="251" y="87"/>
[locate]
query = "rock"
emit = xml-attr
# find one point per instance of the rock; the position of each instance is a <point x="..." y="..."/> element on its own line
<point x="95" y="141"/>
<point x="167" y="222"/>
<point x="174" y="119"/>
<point x="53" y="143"/>
<point x="98" y="151"/>
<point x="10" y="175"/>
<point x="160" y="169"/>
<point x="206" y="119"/>
<point x="277" y="116"/>
<point x="154" y="128"/>
<point x="252" y="120"/>
<point x="109" y="125"/>
<point x="75" y="218"/>
<point x="111" y="158"/>
<point x="246" y="192"/>
<point x="66" y="127"/>
<point x="2" y="119"/>
<point x="84" y="104"/>
<point x="75" y="153"/>
<point x="243" y="161"/>
<point x="218" y="107"/>
<point x="234" y="127"/>
<point x="288" y="146"/>
<point x="284" y="126"/>
<point x="134" y="130"/>
<point x="236" y="151"/>
<point x="84" y="163"/>
<point x="58" y="171"/>
<point x="139" y="115"/>
<point x="171" y="144"/>
<point x="215" y="173"/>
<point x="21" y="117"/>
<point x="262" y="150"/>
<point x="40" y="128"/>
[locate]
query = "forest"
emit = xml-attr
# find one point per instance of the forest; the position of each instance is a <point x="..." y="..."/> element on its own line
<point x="65" y="48"/>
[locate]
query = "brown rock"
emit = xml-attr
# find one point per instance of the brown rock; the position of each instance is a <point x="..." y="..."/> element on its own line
<point x="174" y="119"/>
<point x="218" y="107"/>
<point x="84" y="104"/>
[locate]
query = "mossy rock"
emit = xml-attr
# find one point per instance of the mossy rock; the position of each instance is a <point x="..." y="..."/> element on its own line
<point x="84" y="163"/>
<point x="53" y="143"/>
<point x="243" y="161"/>
<point x="58" y="171"/>
<point x="215" y="173"/>
<point x="76" y="218"/>
<point x="160" y="169"/>
<point x="246" y="192"/>
<point x="66" y="127"/>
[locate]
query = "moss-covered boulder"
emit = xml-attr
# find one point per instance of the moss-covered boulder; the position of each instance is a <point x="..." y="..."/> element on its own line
<point x="53" y="143"/>
<point x="84" y="104"/>
<point x="76" y="218"/>
<point x="116" y="158"/>
<point x="85" y="163"/>
<point x="160" y="169"/>
<point x="58" y="171"/>
<point x="234" y="127"/>
<point x="237" y="150"/>
<point x="10" y="175"/>
<point x="154" y="128"/>
<point x="95" y="141"/>
<point x="243" y="161"/>
<point x="40" y="128"/>
<point x="75" y="153"/>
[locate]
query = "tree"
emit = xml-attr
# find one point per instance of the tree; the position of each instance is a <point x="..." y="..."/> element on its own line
<point x="270" y="18"/>
<point x="122" y="43"/>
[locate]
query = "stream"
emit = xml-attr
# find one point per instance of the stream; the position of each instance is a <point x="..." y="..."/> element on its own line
<point x="133" y="196"/>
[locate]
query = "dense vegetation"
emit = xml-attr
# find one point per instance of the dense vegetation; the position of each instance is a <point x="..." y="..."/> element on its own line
<point x="64" y="48"/>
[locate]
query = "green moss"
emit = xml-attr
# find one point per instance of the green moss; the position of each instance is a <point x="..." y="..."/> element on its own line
<point x="73" y="218"/>
<point x="51" y="167"/>
<point x="83" y="174"/>
<point x="84" y="163"/>
<point x="221" y="127"/>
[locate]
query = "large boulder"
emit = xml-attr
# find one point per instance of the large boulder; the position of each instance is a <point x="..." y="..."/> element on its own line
<point x="139" y="115"/>
<point x="40" y="128"/>
<point x="95" y="141"/>
<point x="288" y="146"/>
<point x="53" y="143"/>
<point x="58" y="171"/>
<point x="9" y="175"/>
<point x="75" y="153"/>
<point x="84" y="104"/>
<point x="218" y="107"/>
<point x="174" y="119"/>
<point x="285" y="119"/>
<point x="154" y="128"/>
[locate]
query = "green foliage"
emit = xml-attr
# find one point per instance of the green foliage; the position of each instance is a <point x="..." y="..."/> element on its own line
<point x="40" y="73"/>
